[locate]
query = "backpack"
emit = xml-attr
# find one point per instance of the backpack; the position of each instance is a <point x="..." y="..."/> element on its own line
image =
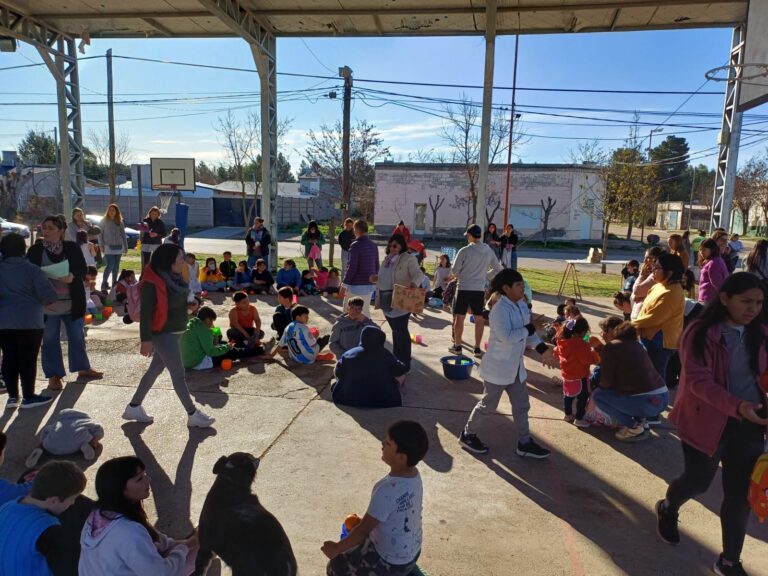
<point x="758" y="488"/>
<point x="133" y="302"/>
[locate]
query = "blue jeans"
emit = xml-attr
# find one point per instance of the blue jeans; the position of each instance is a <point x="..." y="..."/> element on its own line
<point x="52" y="358"/>
<point x="113" y="267"/>
<point x="401" y="339"/>
<point x="659" y="355"/>
<point x="344" y="262"/>
<point x="214" y="286"/>
<point x="253" y="257"/>
<point x="624" y="409"/>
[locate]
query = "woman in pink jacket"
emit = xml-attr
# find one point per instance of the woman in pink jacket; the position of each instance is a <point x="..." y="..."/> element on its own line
<point x="713" y="271"/>
<point x="720" y="411"/>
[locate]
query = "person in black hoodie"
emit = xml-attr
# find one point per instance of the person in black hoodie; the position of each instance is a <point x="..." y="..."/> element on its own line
<point x="369" y="375"/>
<point x="69" y="308"/>
<point x="153" y="232"/>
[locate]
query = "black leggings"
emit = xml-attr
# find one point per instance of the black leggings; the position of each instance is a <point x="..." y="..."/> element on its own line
<point x="20" y="351"/>
<point x="740" y="446"/>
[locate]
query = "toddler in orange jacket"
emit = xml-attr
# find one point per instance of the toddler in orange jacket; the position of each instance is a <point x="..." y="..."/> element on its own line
<point x="576" y="356"/>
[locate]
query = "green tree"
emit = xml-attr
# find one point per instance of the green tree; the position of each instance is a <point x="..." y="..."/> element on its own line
<point x="284" y="173"/>
<point x="37" y="147"/>
<point x="206" y="174"/>
<point x="671" y="159"/>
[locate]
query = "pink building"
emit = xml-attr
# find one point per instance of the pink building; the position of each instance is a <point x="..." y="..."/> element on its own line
<point x="403" y="191"/>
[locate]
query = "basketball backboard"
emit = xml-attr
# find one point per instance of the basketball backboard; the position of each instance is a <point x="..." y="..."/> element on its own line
<point x="754" y="88"/>
<point x="173" y="173"/>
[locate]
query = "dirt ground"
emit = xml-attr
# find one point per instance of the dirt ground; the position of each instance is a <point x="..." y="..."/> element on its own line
<point x="588" y="510"/>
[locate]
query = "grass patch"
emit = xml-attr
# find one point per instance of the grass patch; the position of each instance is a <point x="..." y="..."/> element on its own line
<point x="592" y="283"/>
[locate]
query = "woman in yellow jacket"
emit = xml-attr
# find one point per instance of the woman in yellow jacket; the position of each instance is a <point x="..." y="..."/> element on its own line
<point x="660" y="321"/>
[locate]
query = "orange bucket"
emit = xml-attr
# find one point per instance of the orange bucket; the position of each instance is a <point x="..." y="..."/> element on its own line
<point x="226" y="364"/>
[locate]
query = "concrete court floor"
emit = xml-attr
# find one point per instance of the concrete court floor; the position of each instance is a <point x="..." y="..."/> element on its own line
<point x="588" y="510"/>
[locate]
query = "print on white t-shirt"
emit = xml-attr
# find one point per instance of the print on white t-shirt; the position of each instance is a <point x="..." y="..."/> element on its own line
<point x="396" y="503"/>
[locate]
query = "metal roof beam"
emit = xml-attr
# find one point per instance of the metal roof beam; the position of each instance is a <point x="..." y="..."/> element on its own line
<point x="159" y="27"/>
<point x="447" y="11"/>
<point x="243" y="23"/>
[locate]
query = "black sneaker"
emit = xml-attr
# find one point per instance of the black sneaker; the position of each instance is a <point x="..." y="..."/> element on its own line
<point x="725" y="568"/>
<point x="456" y="349"/>
<point x="472" y="443"/>
<point x="478" y="353"/>
<point x="666" y="524"/>
<point x="653" y="421"/>
<point x="35" y="401"/>
<point x="532" y="450"/>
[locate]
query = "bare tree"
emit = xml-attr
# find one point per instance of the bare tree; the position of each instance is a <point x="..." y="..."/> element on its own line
<point x="237" y="137"/>
<point x="462" y="134"/>
<point x="430" y="156"/>
<point x="546" y="211"/>
<point x="596" y="196"/>
<point x="98" y="142"/>
<point x="435" y="207"/>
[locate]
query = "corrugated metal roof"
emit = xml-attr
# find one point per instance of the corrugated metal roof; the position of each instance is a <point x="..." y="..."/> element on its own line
<point x="188" y="18"/>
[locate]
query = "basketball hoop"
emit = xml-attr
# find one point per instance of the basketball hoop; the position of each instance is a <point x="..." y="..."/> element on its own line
<point x="745" y="72"/>
<point x="165" y="197"/>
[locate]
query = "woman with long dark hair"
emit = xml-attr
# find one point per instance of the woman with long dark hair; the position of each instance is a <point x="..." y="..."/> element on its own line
<point x="713" y="271"/>
<point x="118" y="539"/>
<point x="163" y="321"/>
<point x="399" y="267"/>
<point x="720" y="411"/>
<point x="63" y="263"/>
<point x="492" y="238"/>
<point x="660" y="321"/>
<point x="153" y="232"/>
<point x="757" y="260"/>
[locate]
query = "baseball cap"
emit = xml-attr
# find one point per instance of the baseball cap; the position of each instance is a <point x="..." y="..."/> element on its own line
<point x="474" y="230"/>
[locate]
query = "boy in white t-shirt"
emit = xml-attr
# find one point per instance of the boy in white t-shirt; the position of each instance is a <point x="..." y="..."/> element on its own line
<point x="387" y="541"/>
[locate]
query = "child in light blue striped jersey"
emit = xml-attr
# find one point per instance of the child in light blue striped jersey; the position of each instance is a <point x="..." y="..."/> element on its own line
<point x="303" y="347"/>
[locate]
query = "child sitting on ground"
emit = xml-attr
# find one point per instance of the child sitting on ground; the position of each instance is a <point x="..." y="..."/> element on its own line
<point x="426" y="284"/>
<point x="629" y="273"/>
<point x="211" y="277"/>
<point x="228" y="269"/>
<point x="243" y="277"/>
<point x="388" y="538"/>
<point x="289" y="276"/>
<point x="262" y="278"/>
<point x="576" y="356"/>
<point x="244" y="323"/>
<point x="193" y="268"/>
<point x="198" y="349"/>
<point x="73" y="432"/>
<point x="321" y="279"/>
<point x="308" y="286"/>
<point x="92" y="298"/>
<point x="119" y="292"/>
<point x="302" y="346"/>
<point x="282" y="316"/>
<point x="30" y="532"/>
<point x="9" y="491"/>
<point x="333" y="282"/>
<point x="572" y="311"/>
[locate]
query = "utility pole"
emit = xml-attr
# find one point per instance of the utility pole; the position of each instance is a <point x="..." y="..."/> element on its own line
<point x="346" y="185"/>
<point x="690" y="199"/>
<point x="512" y="117"/>
<point x="141" y="192"/>
<point x="111" y="122"/>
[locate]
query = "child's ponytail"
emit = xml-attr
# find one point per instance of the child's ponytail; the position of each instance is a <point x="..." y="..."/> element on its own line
<point x="577" y="326"/>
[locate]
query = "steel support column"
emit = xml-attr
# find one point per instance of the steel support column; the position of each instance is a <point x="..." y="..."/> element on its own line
<point x="263" y="46"/>
<point x="59" y="52"/>
<point x="730" y="136"/>
<point x="485" y="128"/>
<point x="266" y="64"/>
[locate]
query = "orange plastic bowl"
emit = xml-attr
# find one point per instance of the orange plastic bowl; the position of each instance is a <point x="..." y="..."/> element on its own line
<point x="226" y="364"/>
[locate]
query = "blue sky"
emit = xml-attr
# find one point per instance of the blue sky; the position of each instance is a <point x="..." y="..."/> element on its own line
<point x="670" y="60"/>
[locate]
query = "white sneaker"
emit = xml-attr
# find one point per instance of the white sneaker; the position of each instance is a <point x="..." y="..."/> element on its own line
<point x="581" y="423"/>
<point x="199" y="419"/>
<point x="138" y="414"/>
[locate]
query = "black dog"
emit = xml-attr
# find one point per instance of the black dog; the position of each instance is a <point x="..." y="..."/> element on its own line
<point x="235" y="526"/>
